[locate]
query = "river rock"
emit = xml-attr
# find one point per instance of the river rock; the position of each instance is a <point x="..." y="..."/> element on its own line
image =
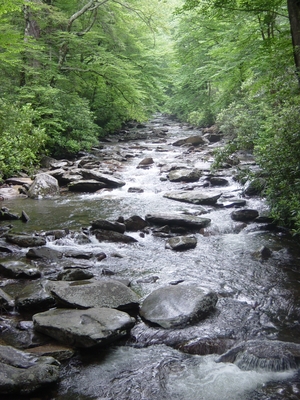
<point x="84" y="328"/>
<point x="108" y="180"/>
<point x="34" y="297"/>
<point x="57" y="351"/>
<point x="44" y="185"/>
<point x="22" y="373"/>
<point x="185" y="174"/>
<point x="18" y="270"/>
<point x="26" y="240"/>
<point x="186" y="221"/>
<point x="6" y="301"/>
<point x="190" y="141"/>
<point x="254" y="187"/>
<point x="85" y="185"/>
<point x="272" y="355"/>
<point x="5" y="215"/>
<point x="76" y="274"/>
<point x="93" y="293"/>
<point x="177" y="306"/>
<point x="135" y="223"/>
<point x="181" y="243"/>
<point x="194" y="197"/>
<point x="233" y="203"/>
<point x="146" y="162"/>
<point x="244" y="215"/>
<point x="218" y="181"/>
<point x="111" y="236"/>
<point x="44" y="253"/>
<point x="108" y="226"/>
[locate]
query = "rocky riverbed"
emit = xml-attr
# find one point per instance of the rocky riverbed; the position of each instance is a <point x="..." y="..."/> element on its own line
<point x="135" y="272"/>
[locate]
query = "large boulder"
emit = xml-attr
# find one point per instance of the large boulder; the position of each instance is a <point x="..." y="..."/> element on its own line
<point x="135" y="223"/>
<point x="146" y="163"/>
<point x="86" y="185"/>
<point x="185" y="221"/>
<point x="93" y="293"/>
<point x="44" y="185"/>
<point x="177" y="306"/>
<point x="108" y="180"/>
<point x="84" y="328"/>
<point x="254" y="187"/>
<point x="22" y="373"/>
<point x="194" y="197"/>
<point x="184" y="174"/>
<point x="196" y="140"/>
<point x="108" y="225"/>
<point x="244" y="215"/>
<point x="181" y="243"/>
<point x="272" y="355"/>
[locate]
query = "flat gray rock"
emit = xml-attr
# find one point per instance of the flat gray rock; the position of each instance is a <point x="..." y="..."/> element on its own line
<point x="22" y="373"/>
<point x="194" y="197"/>
<point x="26" y="240"/>
<point x="84" y="328"/>
<point x="177" y="306"/>
<point x="186" y="221"/>
<point x="93" y="293"/>
<point x="108" y="180"/>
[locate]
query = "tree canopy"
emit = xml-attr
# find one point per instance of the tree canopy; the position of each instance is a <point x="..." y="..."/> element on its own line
<point x="75" y="70"/>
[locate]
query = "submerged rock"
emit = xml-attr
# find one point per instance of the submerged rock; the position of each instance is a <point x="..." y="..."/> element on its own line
<point x="22" y="373"/>
<point x="181" y="243"/>
<point x="93" y="293"/>
<point x="194" y="197"/>
<point x="177" y="306"/>
<point x="264" y="355"/>
<point x="84" y="328"/>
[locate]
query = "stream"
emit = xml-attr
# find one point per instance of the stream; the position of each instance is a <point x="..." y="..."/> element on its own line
<point x="258" y="297"/>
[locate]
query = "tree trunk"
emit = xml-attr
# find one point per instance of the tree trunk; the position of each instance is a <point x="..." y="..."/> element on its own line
<point x="294" y="16"/>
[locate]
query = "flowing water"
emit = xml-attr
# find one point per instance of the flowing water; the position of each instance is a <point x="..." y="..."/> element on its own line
<point x="258" y="298"/>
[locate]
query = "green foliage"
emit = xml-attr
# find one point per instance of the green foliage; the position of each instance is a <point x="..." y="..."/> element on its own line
<point x="21" y="142"/>
<point x="278" y="152"/>
<point x="65" y="118"/>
